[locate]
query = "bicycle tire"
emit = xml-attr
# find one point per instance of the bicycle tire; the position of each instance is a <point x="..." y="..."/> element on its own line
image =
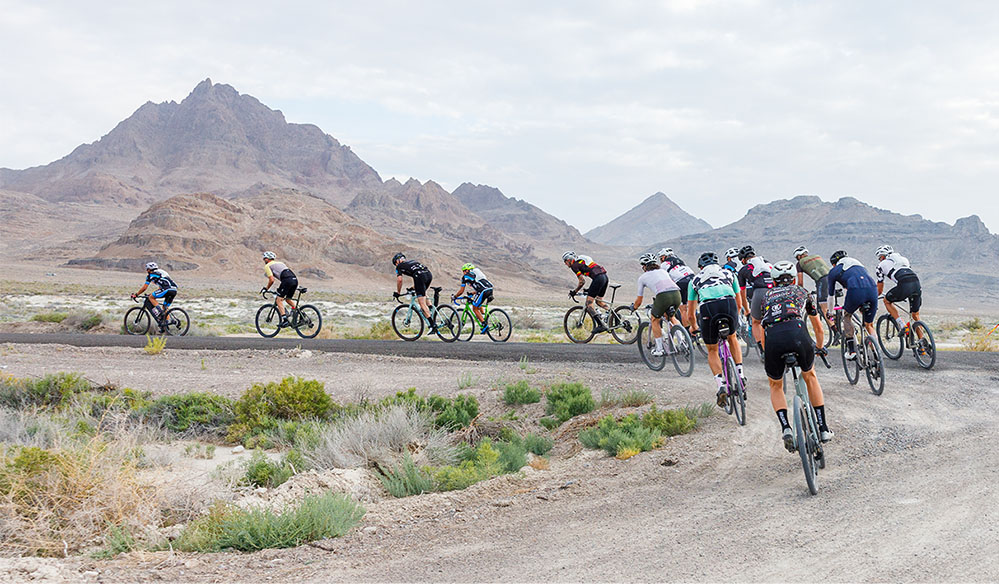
<point x="647" y="342"/>
<point x="848" y="365"/>
<point x="874" y="366"/>
<point x="682" y="350"/>
<point x="271" y="320"/>
<point x="804" y="448"/>
<point x="625" y="329"/>
<point x="466" y="324"/>
<point x="137" y="321"/>
<point x="826" y="333"/>
<point x="578" y="325"/>
<point x="446" y="323"/>
<point x="308" y="319"/>
<point x="813" y="428"/>
<point x="699" y="343"/>
<point x="729" y="395"/>
<point x="889" y="336"/>
<point x="738" y="401"/>
<point x="177" y="322"/>
<point x="499" y="327"/>
<point x="928" y="360"/>
<point x="403" y="324"/>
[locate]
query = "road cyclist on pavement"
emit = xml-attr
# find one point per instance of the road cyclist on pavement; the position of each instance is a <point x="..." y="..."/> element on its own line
<point x="860" y="288"/>
<point x="665" y="294"/>
<point x="582" y="266"/>
<point x="895" y="267"/>
<point x="167" y="291"/>
<point x="480" y="291"/>
<point x="278" y="271"/>
<point x="784" y="306"/>
<point x="754" y="280"/>
<point x="421" y="282"/>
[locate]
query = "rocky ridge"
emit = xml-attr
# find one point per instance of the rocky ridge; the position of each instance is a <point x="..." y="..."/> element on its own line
<point x="654" y="219"/>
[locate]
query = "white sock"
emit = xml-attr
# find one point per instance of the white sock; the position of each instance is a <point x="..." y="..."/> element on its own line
<point x="738" y="367"/>
<point x="659" y="343"/>
<point x="901" y="322"/>
<point x="720" y="380"/>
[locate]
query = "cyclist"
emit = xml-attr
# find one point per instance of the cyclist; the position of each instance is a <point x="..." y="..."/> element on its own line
<point x="167" y="291"/>
<point x="854" y="277"/>
<point x="582" y="265"/>
<point x="475" y="279"/>
<point x="666" y="295"/>
<point x="895" y="267"/>
<point x="275" y="270"/>
<point x="754" y="277"/>
<point x="716" y="289"/>
<point x="732" y="260"/>
<point x="818" y="270"/>
<point x="421" y="281"/>
<point x="784" y="307"/>
<point x="678" y="271"/>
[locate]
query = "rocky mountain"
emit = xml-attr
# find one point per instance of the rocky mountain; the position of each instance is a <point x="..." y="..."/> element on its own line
<point x="518" y="218"/>
<point x="654" y="219"/>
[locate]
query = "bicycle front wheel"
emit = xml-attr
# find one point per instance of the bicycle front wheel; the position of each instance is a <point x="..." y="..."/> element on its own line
<point x="308" y="321"/>
<point x="735" y="392"/>
<point x="925" y="348"/>
<point x="137" y="321"/>
<point x="646" y="344"/>
<point x="176" y="322"/>
<point x="447" y="324"/>
<point x="268" y="321"/>
<point x="498" y="325"/>
<point x="625" y="329"/>
<point x="407" y="323"/>
<point x="466" y="326"/>
<point x="889" y="337"/>
<point x="874" y="366"/>
<point x="805" y="446"/>
<point x="851" y="368"/>
<point x="578" y="324"/>
<point x="683" y="351"/>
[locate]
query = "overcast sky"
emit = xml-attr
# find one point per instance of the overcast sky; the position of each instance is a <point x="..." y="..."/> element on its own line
<point x="582" y="108"/>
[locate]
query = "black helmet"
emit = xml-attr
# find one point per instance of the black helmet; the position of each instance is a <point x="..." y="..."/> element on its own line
<point x="707" y="258"/>
<point x="836" y="256"/>
<point x="397" y="257"/>
<point x="746" y="251"/>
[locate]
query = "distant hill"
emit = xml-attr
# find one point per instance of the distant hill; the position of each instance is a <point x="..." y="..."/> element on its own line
<point x="654" y="219"/>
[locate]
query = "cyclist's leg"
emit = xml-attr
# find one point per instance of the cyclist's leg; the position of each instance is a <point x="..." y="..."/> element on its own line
<point x="756" y="312"/>
<point x="420" y="284"/>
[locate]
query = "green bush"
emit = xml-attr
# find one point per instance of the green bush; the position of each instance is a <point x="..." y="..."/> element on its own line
<point x="231" y="528"/>
<point x="621" y="438"/>
<point x="405" y="479"/>
<point x="450" y="413"/>
<point x="194" y="413"/>
<point x="116" y="541"/>
<point x="512" y="455"/>
<point x="52" y="390"/>
<point x="50" y="317"/>
<point x="567" y="400"/>
<point x="632" y="398"/>
<point x="263" y="472"/>
<point x="292" y="399"/>
<point x="548" y="423"/>
<point x="668" y="422"/>
<point x="482" y="462"/>
<point x="521" y="393"/>
<point x="539" y="445"/>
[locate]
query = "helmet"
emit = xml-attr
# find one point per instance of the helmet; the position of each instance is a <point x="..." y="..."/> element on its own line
<point x="569" y="256"/>
<point x="733" y="252"/>
<point x="707" y="258"/>
<point x="800" y="251"/>
<point x="746" y="251"/>
<point x="666" y="252"/>
<point x="152" y="266"/>
<point x="884" y="250"/>
<point x="269" y="255"/>
<point x="836" y="256"/>
<point x="783" y="273"/>
<point x="397" y="257"/>
<point x="648" y="258"/>
<point x="467" y="267"/>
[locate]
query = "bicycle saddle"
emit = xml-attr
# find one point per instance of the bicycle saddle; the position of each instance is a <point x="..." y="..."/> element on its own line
<point x="303" y="290"/>
<point x="436" y="288"/>
<point x="790" y="358"/>
<point x="614" y="286"/>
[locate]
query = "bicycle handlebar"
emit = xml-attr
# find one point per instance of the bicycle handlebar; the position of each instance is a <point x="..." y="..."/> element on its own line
<point x="408" y="292"/>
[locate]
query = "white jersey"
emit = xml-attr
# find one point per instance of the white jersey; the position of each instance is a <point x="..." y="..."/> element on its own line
<point x="679" y="272"/>
<point x="890" y="267"/>
<point x="657" y="281"/>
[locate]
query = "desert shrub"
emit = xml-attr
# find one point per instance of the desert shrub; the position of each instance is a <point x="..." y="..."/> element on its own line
<point x="261" y="471"/>
<point x="466" y="380"/>
<point x="52" y="390"/>
<point x="526" y="320"/>
<point x="450" y="413"/>
<point x="668" y="422"/>
<point x="539" y="445"/>
<point x="231" y="528"/>
<point x="116" y="541"/>
<point x="521" y="393"/>
<point x="50" y="317"/>
<point x="482" y="462"/>
<point x="631" y="398"/>
<point x="704" y="410"/>
<point x="84" y="320"/>
<point x="567" y="400"/>
<point x="20" y="428"/>
<point x="126" y="399"/>
<point x="154" y="345"/>
<point x="548" y="423"/>
<point x="512" y="455"/>
<point x="192" y="413"/>
<point x="978" y="340"/>
<point x="405" y="479"/>
<point x="380" y="330"/>
<point x="621" y="438"/>
<point x="261" y="407"/>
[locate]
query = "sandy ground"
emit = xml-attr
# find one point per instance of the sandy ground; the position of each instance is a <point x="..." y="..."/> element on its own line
<point x="908" y="494"/>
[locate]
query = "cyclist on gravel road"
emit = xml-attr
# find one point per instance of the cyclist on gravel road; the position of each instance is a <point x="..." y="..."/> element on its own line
<point x="860" y="288"/>
<point x="895" y="267"/>
<point x="678" y="270"/>
<point x="475" y="279"/>
<point x="732" y="260"/>
<point x="818" y="270"/>
<point x="421" y="281"/>
<point x="754" y="275"/>
<point x="167" y="290"/>
<point x="666" y="294"/>
<point x="784" y="307"/>
<point x="582" y="265"/>
<point x="275" y="270"/>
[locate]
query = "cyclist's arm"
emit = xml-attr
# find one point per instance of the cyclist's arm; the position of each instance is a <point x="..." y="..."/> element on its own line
<point x="817" y="327"/>
<point x="581" y="283"/>
<point x="801" y="278"/>
<point x="460" y="291"/>
<point x="691" y="308"/>
<point x="270" y="282"/>
<point x="881" y="288"/>
<point x="143" y="289"/>
<point x="398" y="284"/>
<point x="637" y="303"/>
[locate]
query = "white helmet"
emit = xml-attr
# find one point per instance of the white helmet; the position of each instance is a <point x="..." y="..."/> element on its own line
<point x="665" y="252"/>
<point x="648" y="258"/>
<point x="569" y="256"/>
<point x="152" y="266"/>
<point x="783" y="270"/>
<point x="800" y="251"/>
<point x="269" y="255"/>
<point x="884" y="250"/>
<point x="733" y="252"/>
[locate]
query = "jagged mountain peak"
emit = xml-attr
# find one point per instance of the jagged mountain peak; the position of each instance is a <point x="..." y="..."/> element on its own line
<point x="654" y="219"/>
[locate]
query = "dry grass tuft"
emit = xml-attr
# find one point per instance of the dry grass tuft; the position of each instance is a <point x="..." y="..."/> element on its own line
<point x="539" y="463"/>
<point x="979" y="340"/>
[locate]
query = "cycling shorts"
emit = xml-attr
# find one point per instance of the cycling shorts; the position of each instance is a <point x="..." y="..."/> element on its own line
<point x="167" y="294"/>
<point x="715" y="313"/>
<point x="484" y="296"/>
<point x="785" y="337"/>
<point x="907" y="288"/>
<point x="421" y="281"/>
<point x="663" y="301"/>
<point x="598" y="286"/>
<point x="683" y="283"/>
<point x="756" y="304"/>
<point x="857" y="296"/>
<point x="822" y="287"/>
<point x="289" y="284"/>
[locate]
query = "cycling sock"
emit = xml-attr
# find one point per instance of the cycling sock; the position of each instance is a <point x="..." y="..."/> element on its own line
<point x="901" y="322"/>
<point x="738" y="368"/>
<point x="659" y="343"/>
<point x="820" y="413"/>
<point x="720" y="380"/>
<point x="782" y="418"/>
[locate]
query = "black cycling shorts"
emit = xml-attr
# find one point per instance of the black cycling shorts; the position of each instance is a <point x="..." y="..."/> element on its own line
<point x="663" y="301"/>
<point x="683" y="283"/>
<point x="787" y="337"/>
<point x="288" y="286"/>
<point x="822" y="287"/>
<point x="714" y="313"/>
<point x="598" y="286"/>
<point x="421" y="281"/>
<point x="907" y="288"/>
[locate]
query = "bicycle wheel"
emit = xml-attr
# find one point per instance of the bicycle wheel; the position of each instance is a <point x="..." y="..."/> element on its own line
<point x="805" y="448"/>
<point x="925" y="348"/>
<point x="578" y="324"/>
<point x="625" y="329"/>
<point x="735" y="391"/>
<point x="498" y="325"/>
<point x="646" y="343"/>
<point x="268" y="321"/>
<point x="889" y="337"/>
<point x="826" y="333"/>
<point x="813" y="431"/>
<point x="874" y="366"/>
<point x="137" y="321"/>
<point x="447" y="323"/>
<point x="407" y="323"/>
<point x="466" y="326"/>
<point x="177" y="322"/>
<point x="308" y="321"/>
<point x="683" y="352"/>
<point x="851" y="368"/>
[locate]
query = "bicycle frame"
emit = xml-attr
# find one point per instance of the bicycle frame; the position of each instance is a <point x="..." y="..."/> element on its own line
<point x="468" y="312"/>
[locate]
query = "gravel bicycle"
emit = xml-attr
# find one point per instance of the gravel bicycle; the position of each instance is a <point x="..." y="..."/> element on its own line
<point x="677" y="344"/>
<point x="916" y="336"/>
<point x="305" y="319"/>
<point x="409" y="322"/>
<point x="734" y="389"/>
<point x="622" y="322"/>
<point x="496" y="323"/>
<point x="139" y="319"/>
<point x="868" y="355"/>
<point x="807" y="442"/>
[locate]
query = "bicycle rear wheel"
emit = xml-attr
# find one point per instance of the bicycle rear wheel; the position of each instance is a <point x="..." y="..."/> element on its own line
<point x="625" y="329"/>
<point x="498" y="325"/>
<point x="447" y="323"/>
<point x="683" y="351"/>
<point x="308" y="321"/>
<point x="851" y="368"/>
<point x="874" y="366"/>
<point x="889" y="337"/>
<point x="578" y="325"/>
<point x="176" y="322"/>
<point x="268" y="321"/>
<point x="646" y="343"/>
<point x="806" y="449"/>
<point x="737" y="402"/>
<point x="925" y="348"/>
<point x="407" y="323"/>
<point x="137" y="321"/>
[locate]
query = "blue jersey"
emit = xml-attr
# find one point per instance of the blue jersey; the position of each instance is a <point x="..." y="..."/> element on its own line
<point x="850" y="275"/>
<point x="161" y="279"/>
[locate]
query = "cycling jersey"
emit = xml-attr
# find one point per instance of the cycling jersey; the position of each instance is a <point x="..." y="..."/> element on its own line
<point x="276" y="269"/>
<point x="759" y="273"/>
<point x="712" y="283"/>
<point x="676" y="268"/>
<point x="161" y="279"/>
<point x="585" y="266"/>
<point x="476" y="279"/>
<point x="859" y="285"/>
<point x="813" y="265"/>
<point x="411" y="268"/>
<point x="785" y="303"/>
<point x="657" y="281"/>
<point x="895" y="267"/>
<point x="732" y="266"/>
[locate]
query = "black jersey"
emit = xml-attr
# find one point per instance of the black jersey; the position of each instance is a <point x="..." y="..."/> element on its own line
<point x="411" y="268"/>
<point x="785" y="303"/>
